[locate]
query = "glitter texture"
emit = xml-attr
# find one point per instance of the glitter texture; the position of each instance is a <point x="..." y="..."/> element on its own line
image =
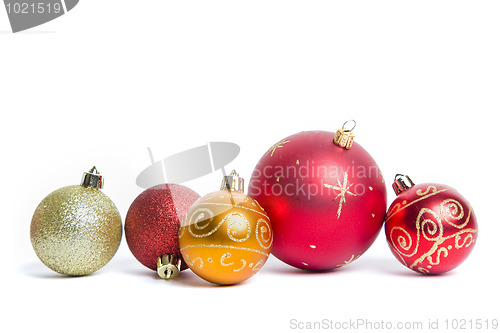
<point x="76" y="230"/>
<point x="152" y="222"/>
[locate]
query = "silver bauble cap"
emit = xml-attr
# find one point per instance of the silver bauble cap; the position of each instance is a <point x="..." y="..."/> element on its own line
<point x="92" y="179"/>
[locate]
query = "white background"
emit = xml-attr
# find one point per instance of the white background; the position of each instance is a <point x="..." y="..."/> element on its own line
<point x="111" y="78"/>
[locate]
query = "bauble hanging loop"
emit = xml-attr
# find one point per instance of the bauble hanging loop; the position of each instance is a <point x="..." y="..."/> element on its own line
<point x="401" y="183"/>
<point x="345" y="137"/>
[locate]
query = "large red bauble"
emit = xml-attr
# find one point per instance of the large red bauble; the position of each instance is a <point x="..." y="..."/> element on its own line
<point x="431" y="228"/>
<point x="153" y="221"/>
<point x="326" y="203"/>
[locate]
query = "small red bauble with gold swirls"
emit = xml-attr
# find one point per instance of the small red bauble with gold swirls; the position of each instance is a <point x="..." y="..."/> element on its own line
<point x="430" y="228"/>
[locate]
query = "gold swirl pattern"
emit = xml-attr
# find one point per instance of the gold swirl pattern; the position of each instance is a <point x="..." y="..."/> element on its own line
<point x="425" y="226"/>
<point x="220" y="234"/>
<point x="201" y="215"/>
<point x="404" y="242"/>
<point x="224" y="257"/>
<point x="264" y="234"/>
<point x="430" y="189"/>
<point x="429" y="227"/>
<point x="192" y="262"/>
<point x="224" y="263"/>
<point x="468" y="240"/>
<point x="237" y="223"/>
<point x="244" y="263"/>
<point x="429" y="192"/>
<point x="443" y="250"/>
<point x="452" y="209"/>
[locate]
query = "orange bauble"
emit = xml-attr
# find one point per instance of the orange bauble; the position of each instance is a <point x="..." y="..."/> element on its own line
<point x="225" y="236"/>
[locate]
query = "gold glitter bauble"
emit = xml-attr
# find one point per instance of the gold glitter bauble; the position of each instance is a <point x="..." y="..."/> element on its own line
<point x="225" y="237"/>
<point x="76" y="230"/>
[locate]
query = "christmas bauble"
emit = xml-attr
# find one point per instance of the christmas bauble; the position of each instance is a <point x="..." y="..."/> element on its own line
<point x="226" y="237"/>
<point x="76" y="230"/>
<point x="152" y="227"/>
<point x="430" y="228"/>
<point x="326" y="200"/>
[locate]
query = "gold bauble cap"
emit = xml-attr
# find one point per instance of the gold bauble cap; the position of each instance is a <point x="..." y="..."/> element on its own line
<point x="233" y="182"/>
<point x="345" y="137"/>
<point x="168" y="266"/>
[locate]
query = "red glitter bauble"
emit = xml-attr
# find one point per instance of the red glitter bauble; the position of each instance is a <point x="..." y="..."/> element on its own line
<point x="153" y="221"/>
<point x="431" y="228"/>
<point x="326" y="203"/>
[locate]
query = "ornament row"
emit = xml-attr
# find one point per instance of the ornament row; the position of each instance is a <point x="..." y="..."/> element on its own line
<point x="316" y="201"/>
